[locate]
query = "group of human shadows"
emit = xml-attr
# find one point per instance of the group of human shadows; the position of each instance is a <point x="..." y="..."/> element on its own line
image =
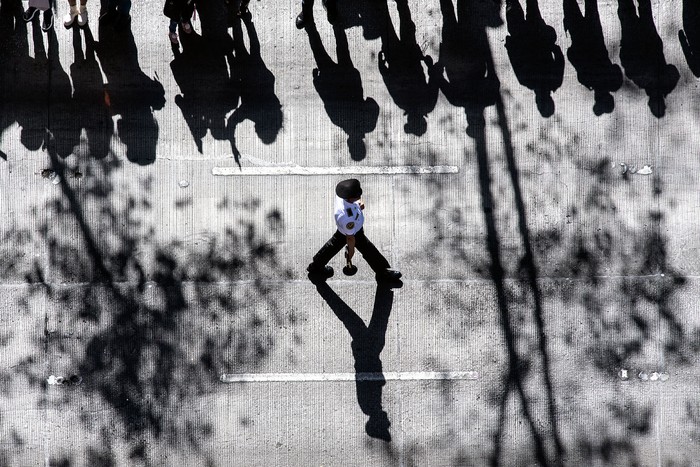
<point x="215" y="72"/>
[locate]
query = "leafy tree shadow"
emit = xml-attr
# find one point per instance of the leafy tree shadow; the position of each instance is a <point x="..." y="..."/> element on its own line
<point x="157" y="333"/>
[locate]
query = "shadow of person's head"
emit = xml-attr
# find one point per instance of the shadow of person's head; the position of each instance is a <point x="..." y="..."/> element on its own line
<point x="416" y="124"/>
<point x="32" y="138"/>
<point x="356" y="146"/>
<point x="268" y="129"/>
<point x="666" y="83"/>
<point x="604" y="103"/>
<point x="545" y="103"/>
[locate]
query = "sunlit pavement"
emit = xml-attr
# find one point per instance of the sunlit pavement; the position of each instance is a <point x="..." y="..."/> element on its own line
<point x="159" y="208"/>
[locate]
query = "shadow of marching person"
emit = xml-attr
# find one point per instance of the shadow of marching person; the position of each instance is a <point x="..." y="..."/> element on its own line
<point x="13" y="37"/>
<point x="89" y="107"/>
<point x="340" y="87"/>
<point x="642" y="55"/>
<point x="31" y="90"/>
<point x="259" y="103"/>
<point x="537" y="60"/>
<point x="690" y="35"/>
<point x="468" y="80"/>
<point x="367" y="344"/>
<point x="206" y="91"/>
<point x="589" y="55"/>
<point x="367" y="14"/>
<point x="400" y="64"/>
<point x="130" y="94"/>
<point x="65" y="117"/>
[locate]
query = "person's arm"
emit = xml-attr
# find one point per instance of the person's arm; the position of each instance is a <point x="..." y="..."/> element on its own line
<point x="351" y="245"/>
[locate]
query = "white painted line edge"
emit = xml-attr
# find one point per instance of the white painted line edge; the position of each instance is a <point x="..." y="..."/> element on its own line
<point x="298" y="170"/>
<point x="321" y="377"/>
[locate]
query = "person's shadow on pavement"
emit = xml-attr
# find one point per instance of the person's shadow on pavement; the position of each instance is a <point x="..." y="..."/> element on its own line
<point x="400" y="64"/>
<point x="340" y="87"/>
<point x="207" y="94"/>
<point x="537" y="60"/>
<point x="642" y="54"/>
<point x="589" y="55"/>
<point x="464" y="71"/>
<point x="131" y="94"/>
<point x="259" y="103"/>
<point x="367" y="344"/>
<point x="86" y="109"/>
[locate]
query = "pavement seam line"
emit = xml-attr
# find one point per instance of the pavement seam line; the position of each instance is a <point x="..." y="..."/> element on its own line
<point x="373" y="376"/>
<point x="354" y="281"/>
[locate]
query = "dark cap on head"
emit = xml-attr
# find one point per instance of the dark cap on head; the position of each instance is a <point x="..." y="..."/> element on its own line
<point x="348" y="189"/>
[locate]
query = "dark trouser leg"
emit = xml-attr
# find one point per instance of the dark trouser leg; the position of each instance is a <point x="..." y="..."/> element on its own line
<point x="374" y="258"/>
<point x="328" y="251"/>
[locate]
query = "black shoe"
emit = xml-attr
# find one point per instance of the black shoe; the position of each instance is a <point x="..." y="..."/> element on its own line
<point x="301" y="20"/>
<point x="47" y="24"/>
<point x="30" y="14"/>
<point x="388" y="275"/>
<point x="325" y="272"/>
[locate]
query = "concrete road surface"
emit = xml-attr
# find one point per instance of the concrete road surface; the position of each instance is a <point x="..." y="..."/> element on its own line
<point x="531" y="169"/>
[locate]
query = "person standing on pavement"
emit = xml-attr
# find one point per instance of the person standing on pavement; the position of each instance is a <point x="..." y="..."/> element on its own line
<point x="33" y="9"/>
<point x="307" y="15"/>
<point x="350" y="219"/>
<point x="180" y="12"/>
<point x="76" y="13"/>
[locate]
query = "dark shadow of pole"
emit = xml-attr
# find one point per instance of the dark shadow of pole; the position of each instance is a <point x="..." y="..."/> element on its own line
<point x="367" y="344"/>
<point x="589" y="55"/>
<point x="466" y="47"/>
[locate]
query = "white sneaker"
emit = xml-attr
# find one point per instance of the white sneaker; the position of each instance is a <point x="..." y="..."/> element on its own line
<point x="70" y="16"/>
<point x="82" y="16"/>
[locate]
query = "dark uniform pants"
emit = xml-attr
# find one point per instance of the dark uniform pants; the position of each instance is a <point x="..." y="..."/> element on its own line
<point x="374" y="258"/>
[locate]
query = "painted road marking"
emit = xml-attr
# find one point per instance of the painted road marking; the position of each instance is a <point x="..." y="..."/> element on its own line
<point x="321" y="377"/>
<point x="359" y="170"/>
